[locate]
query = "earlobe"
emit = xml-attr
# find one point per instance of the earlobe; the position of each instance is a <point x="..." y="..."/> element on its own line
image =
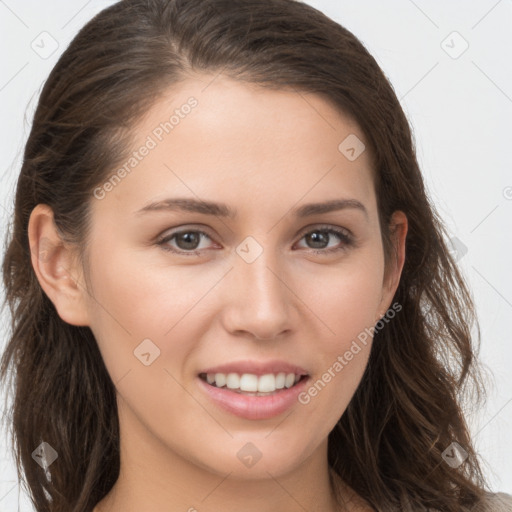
<point x="55" y="268"/>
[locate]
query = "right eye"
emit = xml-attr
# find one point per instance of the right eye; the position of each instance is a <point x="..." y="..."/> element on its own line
<point x="187" y="241"/>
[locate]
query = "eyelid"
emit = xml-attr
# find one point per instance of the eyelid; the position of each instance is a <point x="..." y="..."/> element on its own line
<point x="200" y="228"/>
<point x="321" y="227"/>
<point x="184" y="228"/>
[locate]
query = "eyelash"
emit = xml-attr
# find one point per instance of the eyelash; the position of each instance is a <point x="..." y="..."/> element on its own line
<point x="344" y="236"/>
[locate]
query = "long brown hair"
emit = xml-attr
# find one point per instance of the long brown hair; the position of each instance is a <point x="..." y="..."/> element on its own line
<point x="409" y="407"/>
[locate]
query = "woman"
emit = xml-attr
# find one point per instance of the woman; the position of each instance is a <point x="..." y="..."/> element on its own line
<point x="229" y="288"/>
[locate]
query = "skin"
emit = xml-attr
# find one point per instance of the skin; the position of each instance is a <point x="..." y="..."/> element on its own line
<point x="263" y="153"/>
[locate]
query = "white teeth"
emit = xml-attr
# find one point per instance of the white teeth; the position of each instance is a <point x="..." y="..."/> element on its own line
<point x="251" y="383"/>
<point x="233" y="381"/>
<point x="266" y="383"/>
<point x="280" y="380"/>
<point x="220" y="380"/>
<point x="290" y="380"/>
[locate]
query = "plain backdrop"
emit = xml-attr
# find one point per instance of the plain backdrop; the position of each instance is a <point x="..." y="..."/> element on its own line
<point x="450" y="64"/>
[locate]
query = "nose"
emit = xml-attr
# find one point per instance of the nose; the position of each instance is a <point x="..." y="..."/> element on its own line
<point x="257" y="299"/>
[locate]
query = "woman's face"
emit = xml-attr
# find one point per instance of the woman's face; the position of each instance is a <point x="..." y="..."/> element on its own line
<point x="266" y="291"/>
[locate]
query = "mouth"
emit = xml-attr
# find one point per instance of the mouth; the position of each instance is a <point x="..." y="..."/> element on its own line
<point x="251" y="384"/>
<point x="251" y="396"/>
<point x="254" y="390"/>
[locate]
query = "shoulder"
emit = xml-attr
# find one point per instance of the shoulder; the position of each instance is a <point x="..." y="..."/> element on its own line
<point x="495" y="502"/>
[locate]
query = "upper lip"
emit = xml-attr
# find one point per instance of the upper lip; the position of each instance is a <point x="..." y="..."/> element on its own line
<point x="256" y="367"/>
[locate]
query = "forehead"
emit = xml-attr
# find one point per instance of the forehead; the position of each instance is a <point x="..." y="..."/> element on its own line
<point x="216" y="138"/>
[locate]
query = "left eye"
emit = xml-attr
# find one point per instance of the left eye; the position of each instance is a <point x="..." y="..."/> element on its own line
<point x="188" y="240"/>
<point x="325" y="235"/>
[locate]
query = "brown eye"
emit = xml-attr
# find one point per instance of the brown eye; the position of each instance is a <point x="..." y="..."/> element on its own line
<point x="189" y="239"/>
<point x="318" y="239"/>
<point x="186" y="241"/>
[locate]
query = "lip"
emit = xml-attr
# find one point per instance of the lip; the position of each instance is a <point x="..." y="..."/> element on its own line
<point x="256" y="368"/>
<point x="254" y="407"/>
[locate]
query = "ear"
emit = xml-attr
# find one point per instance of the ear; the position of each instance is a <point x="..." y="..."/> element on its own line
<point x="56" y="267"/>
<point x="398" y="231"/>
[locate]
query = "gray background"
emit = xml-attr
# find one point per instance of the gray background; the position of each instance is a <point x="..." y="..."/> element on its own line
<point x="458" y="101"/>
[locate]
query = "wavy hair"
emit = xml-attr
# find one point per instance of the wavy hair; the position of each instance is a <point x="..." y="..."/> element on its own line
<point x="410" y="404"/>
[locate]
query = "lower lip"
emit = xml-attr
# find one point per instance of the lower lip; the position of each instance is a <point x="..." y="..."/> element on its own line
<point x="254" y="407"/>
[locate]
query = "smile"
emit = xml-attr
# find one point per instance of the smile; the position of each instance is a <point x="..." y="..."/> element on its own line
<point x="253" y="405"/>
<point x="252" y="384"/>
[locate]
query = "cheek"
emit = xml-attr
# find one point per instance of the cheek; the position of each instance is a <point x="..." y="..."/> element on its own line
<point x="133" y="302"/>
<point x="346" y="300"/>
<point x="347" y="305"/>
<point x="342" y="357"/>
<point x="145" y="299"/>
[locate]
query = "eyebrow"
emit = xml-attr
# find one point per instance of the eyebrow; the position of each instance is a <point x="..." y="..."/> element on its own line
<point x="223" y="210"/>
